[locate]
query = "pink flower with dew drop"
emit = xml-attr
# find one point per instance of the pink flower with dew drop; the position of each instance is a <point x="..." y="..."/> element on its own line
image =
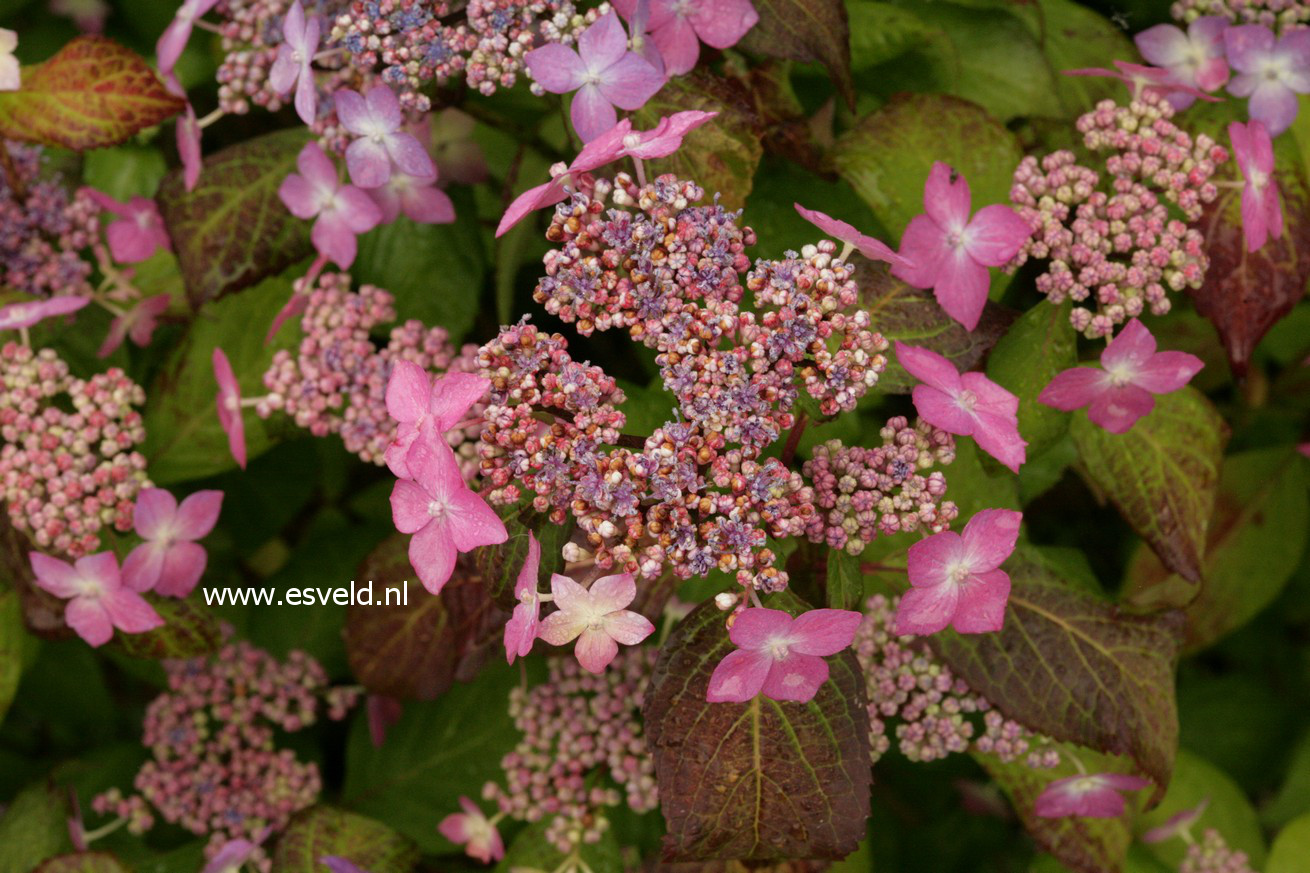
<point x="139" y="323"/>
<point x="966" y="404"/>
<point x="603" y="73"/>
<point x="1088" y="796"/>
<point x="175" y="36"/>
<point x="678" y="27"/>
<point x="98" y="601"/>
<point x="293" y="67"/>
<point x="873" y="249"/>
<point x="11" y="76"/>
<point x="342" y="212"/>
<point x="1139" y="79"/>
<point x="521" y="629"/>
<point x="596" y="617"/>
<point x="417" y="197"/>
<point x="139" y="230"/>
<point x="376" y="121"/>
<point x="1119" y="391"/>
<point x="1272" y="72"/>
<point x="415" y="402"/>
<point x="229" y="407"/>
<point x="442" y="513"/>
<point x="780" y="656"/>
<point x="1262" y="213"/>
<point x="474" y="831"/>
<point x="956" y="580"/>
<point x="949" y="252"/>
<point x="1178" y="823"/>
<point x="17" y="316"/>
<point x="1194" y="58"/>
<point x="170" y="561"/>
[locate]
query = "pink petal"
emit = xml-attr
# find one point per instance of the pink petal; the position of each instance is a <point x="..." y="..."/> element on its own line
<point x="868" y="246"/>
<point x="334" y="240"/>
<point x="990" y="536"/>
<point x="352" y="111"/>
<point x="1074" y="388"/>
<point x="307" y="93"/>
<point x="1131" y="348"/>
<point x="1212" y="74"/>
<point x="961" y="288"/>
<point x="128" y="612"/>
<point x="368" y="162"/>
<point x="628" y="627"/>
<point x="153" y="514"/>
<point x="432" y="463"/>
<point x="432" y="554"/>
<point x="595" y="650"/>
<point x="526" y="582"/>
<point x="409" y="507"/>
<point x="928" y="560"/>
<point x="989" y="396"/>
<point x="722" y="23"/>
<point x="981" y="606"/>
<point x="824" y="631"/>
<point x="427" y="204"/>
<point x="995" y="235"/>
<point x="54" y="575"/>
<point x="1274" y="104"/>
<point x="358" y="211"/>
<point x="738" y="677"/>
<point x="1247" y="46"/>
<point x="556" y="68"/>
<point x="410" y="156"/>
<point x="1164" y="45"/>
<point x="629" y="83"/>
<point x="89" y="619"/>
<point x="171" y="43"/>
<point x="1167" y="372"/>
<point x="143" y="566"/>
<point x="528" y="202"/>
<point x="678" y="44"/>
<point x="570" y="597"/>
<point x="928" y="367"/>
<point x="454" y="827"/>
<point x="561" y="627"/>
<point x="924" y="611"/>
<point x="1118" y="409"/>
<point x="1273" y="211"/>
<point x="473" y="523"/>
<point x="187" y="136"/>
<point x="408" y="391"/>
<point x="229" y="410"/>
<point x="453" y="395"/>
<point x="101" y="567"/>
<point x="757" y="626"/>
<point x="998" y="436"/>
<point x="184" y="564"/>
<point x="943" y="410"/>
<point x="399" y="448"/>
<point x="521" y="631"/>
<point x="591" y="113"/>
<point x="796" y="677"/>
<point x="317" y="167"/>
<point x="946" y="197"/>
<point x="383" y="109"/>
<point x="611" y="593"/>
<point x="198" y="514"/>
<point x="603" y="43"/>
<point x="284" y="72"/>
<point x="300" y="196"/>
<point x="923" y="250"/>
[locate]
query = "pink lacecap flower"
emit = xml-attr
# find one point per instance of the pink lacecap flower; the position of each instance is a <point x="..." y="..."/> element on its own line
<point x="949" y="252"/>
<point x="1195" y="58"/>
<point x="521" y="629"/>
<point x="415" y="401"/>
<point x="1176" y="824"/>
<point x="343" y="211"/>
<point x="383" y="712"/>
<point x="1120" y="393"/>
<point x="1138" y="78"/>
<point x="98" y="601"/>
<point x="377" y="121"/>
<point x="293" y="66"/>
<point x="170" y="561"/>
<point x="780" y="656"/>
<point x="1271" y="72"/>
<point x="474" y="831"/>
<point x="139" y="323"/>
<point x="965" y="405"/>
<point x="871" y="248"/>
<point x="229" y="407"/>
<point x="442" y="513"/>
<point x="417" y="197"/>
<point x="595" y="617"/>
<point x="139" y="230"/>
<point x="175" y="36"/>
<point x="956" y="580"/>
<point x="11" y="76"/>
<point x="1262" y="214"/>
<point x="602" y="71"/>
<point x="678" y="27"/>
<point x="26" y="314"/>
<point x="1093" y="796"/>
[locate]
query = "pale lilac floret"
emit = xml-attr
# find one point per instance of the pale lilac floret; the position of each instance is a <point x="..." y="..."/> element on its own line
<point x="521" y="629"/>
<point x="871" y="248"/>
<point x="956" y="579"/>
<point x="98" y="601"/>
<point x="416" y="402"/>
<point x="137" y="233"/>
<point x="342" y="212"/>
<point x="377" y="122"/>
<point x="603" y="72"/>
<point x="175" y="36"/>
<point x="1262" y="213"/>
<point x="1087" y="796"/>
<point x="229" y="407"/>
<point x="417" y="197"/>
<point x="639" y="36"/>
<point x="678" y="27"/>
<point x="948" y="251"/>
<point x="139" y="323"/>
<point x="293" y="66"/>
<point x="1195" y="57"/>
<point x="170" y="561"/>
<point x="780" y="656"/>
<point x="966" y="404"/>
<point x="1272" y="72"/>
<point x="17" y="316"/>
<point x="474" y="831"/>
<point x="1119" y="392"/>
<point x="596" y="617"/>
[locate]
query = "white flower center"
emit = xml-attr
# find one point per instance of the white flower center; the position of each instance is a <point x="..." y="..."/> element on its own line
<point x="778" y="648"/>
<point x="966" y="400"/>
<point x="436" y="508"/>
<point x="958" y="571"/>
<point x="1120" y="374"/>
<point x="1258" y="180"/>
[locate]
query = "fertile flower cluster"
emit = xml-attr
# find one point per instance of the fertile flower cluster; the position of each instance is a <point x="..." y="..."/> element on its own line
<point x="215" y="768"/>
<point x="1213" y="855"/>
<point x="66" y="475"/>
<point x="1114" y="248"/>
<point x="336" y="381"/>
<point x="576" y="725"/>
<point x="908" y="682"/>
<point x="1277" y="15"/>
<point x="43" y="230"/>
<point x="860" y="493"/>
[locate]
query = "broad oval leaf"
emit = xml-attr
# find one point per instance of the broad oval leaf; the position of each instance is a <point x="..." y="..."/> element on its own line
<point x="189" y="630"/>
<point x="806" y="30"/>
<point x="1162" y="474"/>
<point x="844" y="580"/>
<point x="82" y="862"/>
<point x="1076" y="37"/>
<point x="34" y="827"/>
<point x="763" y="780"/>
<point x="1291" y="848"/>
<point x="1038" y="345"/>
<point x="92" y="93"/>
<point x="325" y="830"/>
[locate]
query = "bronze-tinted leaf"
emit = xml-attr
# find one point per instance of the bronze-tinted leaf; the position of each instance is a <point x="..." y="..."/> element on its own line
<point x="325" y="830"/>
<point x="762" y="780"/>
<point x="806" y="30"/>
<point x="33" y="827"/>
<point x="190" y="629"/>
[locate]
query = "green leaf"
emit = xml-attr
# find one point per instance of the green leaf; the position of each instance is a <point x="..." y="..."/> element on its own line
<point x="881" y="32"/>
<point x="12" y="633"/>
<point x="806" y="30"/>
<point x="233" y="230"/>
<point x="124" y="171"/>
<point x="1075" y="37"/>
<point x="499" y="565"/>
<point x="34" y="827"/>
<point x="1293" y="795"/>
<point x="189" y="630"/>
<point x="183" y="437"/>
<point x="93" y="92"/>
<point x="795" y="777"/>
<point x="325" y="830"/>
<point x="1069" y="665"/>
<point x="1162" y="474"/>
<point x="845" y="581"/>
<point x="1227" y="811"/>
<point x="1038" y="345"/>
<point x="975" y="482"/>
<point x="82" y="862"/>
<point x="1291" y="849"/>
<point x="1253" y="544"/>
<point x="531" y="850"/>
<point x="888" y="154"/>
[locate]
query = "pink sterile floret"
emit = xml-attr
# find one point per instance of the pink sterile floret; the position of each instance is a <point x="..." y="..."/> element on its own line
<point x="780" y="656"/>
<point x="416" y="402"/>
<point x="1262" y="213"/>
<point x="170" y="561"/>
<point x="293" y="67"/>
<point x="1088" y="796"/>
<point x="342" y="211"/>
<point x="474" y="831"/>
<point x="596" y="617"/>
<point x="521" y="629"/>
<point x="98" y="601"/>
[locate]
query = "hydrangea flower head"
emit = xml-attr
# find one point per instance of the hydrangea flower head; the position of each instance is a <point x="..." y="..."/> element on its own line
<point x="1195" y="57"/>
<point x="1269" y="71"/>
<point x="780" y="656"/>
<point x="170" y="561"/>
<point x="342" y="212"/>
<point x="11" y="77"/>
<point x="948" y="251"/>
<point x="956" y="579"/>
<point x="678" y="27"/>
<point x="175" y="36"/>
<point x="521" y="629"/>
<point x="415" y="401"/>
<point x="1262" y="213"/>
<point x="376" y="121"/>
<point x="295" y="56"/>
<point x="873" y="249"/>
<point x="1119" y="392"/>
<point x="16" y="316"/>
<point x="1087" y="796"/>
<point x="596" y="617"/>
<point x="229" y="407"/>
<point x="98" y="601"/>
<point x="474" y="831"/>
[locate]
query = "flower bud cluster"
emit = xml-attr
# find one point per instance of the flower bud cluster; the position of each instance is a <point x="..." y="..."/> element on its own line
<point x="1277" y="15"/>
<point x="1213" y="855"/>
<point x="42" y="234"/>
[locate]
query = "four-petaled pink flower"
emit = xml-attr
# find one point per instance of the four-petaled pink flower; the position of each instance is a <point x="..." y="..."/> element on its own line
<point x="595" y="617"/>
<point x="293" y="66"/>
<point x="343" y="211"/>
<point x="956" y="580"/>
<point x="16" y="316"/>
<point x="780" y="656"/>
<point x="1271" y="72"/>
<point x="170" y="561"/>
<point x="678" y="27"/>
<point x="474" y="831"/>
<point x="442" y="513"/>
<point x="98" y="601"/>
<point x="229" y="407"/>
<point x="137" y="233"/>
<point x="418" y="197"/>
<point x="138" y="322"/>
<point x="1195" y="58"/>
<point x="377" y="121"/>
<point x="948" y="252"/>
<point x="603" y="72"/>
<point x="415" y="402"/>
<point x="966" y="404"/>
<point x="175" y="36"/>
<point x="231" y="857"/>
<point x="521" y="629"/>
<point x="1091" y="796"/>
<point x="873" y="249"/>
<point x="1262" y="214"/>
<point x="1119" y="391"/>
